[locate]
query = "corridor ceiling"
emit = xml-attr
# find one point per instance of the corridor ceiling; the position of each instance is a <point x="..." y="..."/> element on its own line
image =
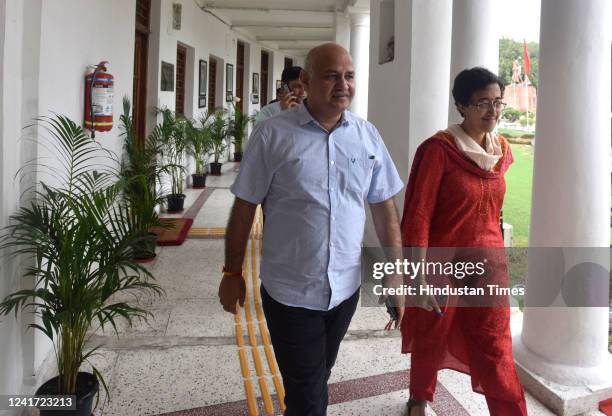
<point x="292" y="26"/>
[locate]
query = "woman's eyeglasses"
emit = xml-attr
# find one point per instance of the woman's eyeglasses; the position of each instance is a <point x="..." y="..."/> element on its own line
<point x="483" y="106"/>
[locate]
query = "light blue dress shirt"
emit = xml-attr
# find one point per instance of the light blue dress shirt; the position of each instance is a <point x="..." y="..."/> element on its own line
<point x="312" y="185"/>
<point x="268" y="111"/>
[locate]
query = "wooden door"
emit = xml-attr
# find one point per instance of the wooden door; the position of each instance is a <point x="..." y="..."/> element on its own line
<point x="139" y="83"/>
<point x="288" y="62"/>
<point x="240" y="92"/>
<point x="263" y="84"/>
<point x="181" y="61"/>
<point x="212" y="84"/>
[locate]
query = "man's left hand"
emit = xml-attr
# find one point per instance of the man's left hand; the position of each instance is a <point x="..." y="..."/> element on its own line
<point x="397" y="301"/>
<point x="232" y="290"/>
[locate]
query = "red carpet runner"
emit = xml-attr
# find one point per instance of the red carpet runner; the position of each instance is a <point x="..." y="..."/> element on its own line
<point x="176" y="234"/>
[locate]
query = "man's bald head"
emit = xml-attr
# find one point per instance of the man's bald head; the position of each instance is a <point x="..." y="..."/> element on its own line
<point x="322" y="54"/>
<point x="329" y="80"/>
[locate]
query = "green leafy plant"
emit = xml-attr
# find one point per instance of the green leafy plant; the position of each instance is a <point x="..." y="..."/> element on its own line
<point x="77" y="241"/>
<point x="218" y="128"/>
<point x="199" y="141"/>
<point x="173" y="145"/>
<point x="238" y="127"/>
<point x="142" y="170"/>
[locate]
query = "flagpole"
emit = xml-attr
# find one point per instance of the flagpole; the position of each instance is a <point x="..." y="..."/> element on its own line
<point x="527" y="65"/>
<point x="526" y="89"/>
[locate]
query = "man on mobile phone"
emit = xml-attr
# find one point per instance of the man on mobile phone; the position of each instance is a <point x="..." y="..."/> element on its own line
<point x="290" y="95"/>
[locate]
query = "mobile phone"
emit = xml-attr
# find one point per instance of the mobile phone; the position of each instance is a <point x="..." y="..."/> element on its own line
<point x="285" y="89"/>
<point x="391" y="309"/>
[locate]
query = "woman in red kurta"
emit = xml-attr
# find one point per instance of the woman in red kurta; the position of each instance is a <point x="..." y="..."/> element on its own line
<point x="453" y="199"/>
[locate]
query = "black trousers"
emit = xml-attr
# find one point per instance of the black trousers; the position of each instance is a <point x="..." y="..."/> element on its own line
<point x="306" y="344"/>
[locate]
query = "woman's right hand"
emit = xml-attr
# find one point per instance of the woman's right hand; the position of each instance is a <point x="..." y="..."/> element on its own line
<point x="427" y="302"/>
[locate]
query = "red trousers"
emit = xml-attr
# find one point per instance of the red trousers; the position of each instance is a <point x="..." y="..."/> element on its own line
<point x="475" y="341"/>
<point x="423" y="385"/>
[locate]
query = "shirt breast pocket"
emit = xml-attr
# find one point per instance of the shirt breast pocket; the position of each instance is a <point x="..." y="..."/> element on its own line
<point x="359" y="174"/>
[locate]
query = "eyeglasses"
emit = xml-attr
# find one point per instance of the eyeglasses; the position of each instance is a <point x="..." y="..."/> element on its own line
<point x="483" y="106"/>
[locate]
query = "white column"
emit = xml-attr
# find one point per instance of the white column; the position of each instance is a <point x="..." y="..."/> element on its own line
<point x="474" y="42"/>
<point x="571" y="193"/>
<point x="408" y="97"/>
<point x="342" y="30"/>
<point x="20" y="26"/>
<point x="360" y="51"/>
<point x="429" y="70"/>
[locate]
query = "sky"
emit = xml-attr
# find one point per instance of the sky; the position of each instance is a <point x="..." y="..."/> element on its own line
<point x="519" y="19"/>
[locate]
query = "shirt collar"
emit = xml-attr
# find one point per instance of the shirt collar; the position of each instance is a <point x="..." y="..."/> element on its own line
<point x="304" y="116"/>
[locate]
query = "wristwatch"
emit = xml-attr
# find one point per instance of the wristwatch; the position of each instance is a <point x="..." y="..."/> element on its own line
<point x="231" y="274"/>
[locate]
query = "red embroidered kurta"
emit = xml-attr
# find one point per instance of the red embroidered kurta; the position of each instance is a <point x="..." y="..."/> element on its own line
<point x="452" y="202"/>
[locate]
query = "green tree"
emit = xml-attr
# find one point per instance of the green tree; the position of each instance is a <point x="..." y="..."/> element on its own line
<point x="511" y="114"/>
<point x="509" y="50"/>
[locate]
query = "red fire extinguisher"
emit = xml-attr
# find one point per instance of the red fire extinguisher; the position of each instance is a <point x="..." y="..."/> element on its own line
<point x="99" y="99"/>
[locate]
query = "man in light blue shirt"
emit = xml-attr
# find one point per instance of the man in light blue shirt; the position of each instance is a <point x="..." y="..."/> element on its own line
<point x="291" y="94"/>
<point x="312" y="168"/>
<point x="268" y="111"/>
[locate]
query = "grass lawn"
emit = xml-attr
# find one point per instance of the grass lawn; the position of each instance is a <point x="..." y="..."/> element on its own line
<point x="517" y="209"/>
<point x="517" y="203"/>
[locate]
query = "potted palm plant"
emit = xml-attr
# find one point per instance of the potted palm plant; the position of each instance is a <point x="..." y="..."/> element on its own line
<point x="199" y="146"/>
<point x="238" y="130"/>
<point x="142" y="170"/>
<point x="173" y="146"/>
<point x="78" y="242"/>
<point x="218" y="128"/>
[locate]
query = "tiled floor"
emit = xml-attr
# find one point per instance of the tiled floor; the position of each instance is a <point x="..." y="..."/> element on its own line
<point x="186" y="356"/>
<point x="215" y="212"/>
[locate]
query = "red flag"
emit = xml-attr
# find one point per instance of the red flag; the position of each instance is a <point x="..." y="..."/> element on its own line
<point x="526" y="58"/>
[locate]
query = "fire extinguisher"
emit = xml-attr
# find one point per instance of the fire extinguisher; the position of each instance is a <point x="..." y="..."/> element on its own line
<point x="99" y="99"/>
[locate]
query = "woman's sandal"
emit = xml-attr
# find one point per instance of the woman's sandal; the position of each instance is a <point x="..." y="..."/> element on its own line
<point x="412" y="403"/>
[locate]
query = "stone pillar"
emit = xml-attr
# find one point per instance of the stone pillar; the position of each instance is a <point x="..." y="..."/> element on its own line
<point x="360" y="51"/>
<point x="429" y="70"/>
<point x="571" y="200"/>
<point x="342" y="30"/>
<point x="408" y="97"/>
<point x="474" y="41"/>
<point x="20" y="31"/>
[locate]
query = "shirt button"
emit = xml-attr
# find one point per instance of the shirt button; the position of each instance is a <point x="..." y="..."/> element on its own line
<point x="331" y="244"/>
<point x="333" y="218"/>
<point x="332" y="162"/>
<point x="331" y="189"/>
